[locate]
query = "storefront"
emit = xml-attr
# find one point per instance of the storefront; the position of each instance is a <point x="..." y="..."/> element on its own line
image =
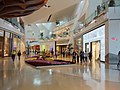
<point x="1" y="42"/>
<point x="16" y="43"/>
<point x="61" y="46"/>
<point x="95" y="48"/>
<point x="7" y="44"/>
<point x="95" y="41"/>
<point x="48" y="46"/>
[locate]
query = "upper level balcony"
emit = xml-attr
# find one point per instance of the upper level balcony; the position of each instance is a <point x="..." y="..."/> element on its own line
<point x="15" y="25"/>
<point x="100" y="11"/>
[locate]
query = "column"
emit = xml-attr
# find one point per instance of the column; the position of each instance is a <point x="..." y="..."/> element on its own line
<point x="3" y="46"/>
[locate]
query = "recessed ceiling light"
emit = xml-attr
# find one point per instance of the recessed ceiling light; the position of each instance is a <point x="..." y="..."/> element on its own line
<point x="47" y="6"/>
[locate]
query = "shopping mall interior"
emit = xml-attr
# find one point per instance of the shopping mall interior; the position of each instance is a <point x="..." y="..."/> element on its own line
<point x="59" y="44"/>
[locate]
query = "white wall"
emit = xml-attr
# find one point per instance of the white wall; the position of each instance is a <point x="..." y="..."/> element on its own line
<point x="113" y="13"/>
<point x="114" y="36"/>
<point x="114" y="40"/>
<point x="114" y="29"/>
<point x="114" y="33"/>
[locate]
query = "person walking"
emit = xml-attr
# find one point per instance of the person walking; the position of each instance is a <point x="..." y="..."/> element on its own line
<point x="44" y="54"/>
<point x="81" y="56"/>
<point x="74" y="56"/>
<point x="78" y="54"/>
<point x="119" y="59"/>
<point x="52" y="52"/>
<point x="90" y="55"/>
<point x="19" y="54"/>
<point x="56" y="54"/>
<point x="13" y="55"/>
<point x="85" y="56"/>
<point x="63" y="53"/>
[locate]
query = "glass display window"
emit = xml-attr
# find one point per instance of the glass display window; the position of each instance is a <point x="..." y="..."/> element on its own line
<point x="7" y="34"/>
<point x="6" y="49"/>
<point x="1" y="33"/>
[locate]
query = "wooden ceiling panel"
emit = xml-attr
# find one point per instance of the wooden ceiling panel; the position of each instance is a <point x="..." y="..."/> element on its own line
<point x="17" y="8"/>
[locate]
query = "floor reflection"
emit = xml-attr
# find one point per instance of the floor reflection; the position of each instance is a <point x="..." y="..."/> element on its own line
<point x="87" y="76"/>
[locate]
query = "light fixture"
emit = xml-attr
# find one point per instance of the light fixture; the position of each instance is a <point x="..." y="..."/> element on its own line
<point x="47" y="6"/>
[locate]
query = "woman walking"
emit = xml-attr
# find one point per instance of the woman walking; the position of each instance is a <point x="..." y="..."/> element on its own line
<point x="13" y="55"/>
<point x="19" y="54"/>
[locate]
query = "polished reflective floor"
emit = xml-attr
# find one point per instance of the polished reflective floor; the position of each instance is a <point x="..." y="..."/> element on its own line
<point x="88" y="76"/>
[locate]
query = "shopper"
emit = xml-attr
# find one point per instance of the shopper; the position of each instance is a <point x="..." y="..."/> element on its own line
<point x="52" y="52"/>
<point x="118" y="59"/>
<point x="13" y="55"/>
<point x="85" y="56"/>
<point x="63" y="53"/>
<point x="44" y="54"/>
<point x="81" y="56"/>
<point x="90" y="55"/>
<point x="78" y="54"/>
<point x="19" y="54"/>
<point x="74" y="56"/>
<point x="56" y="54"/>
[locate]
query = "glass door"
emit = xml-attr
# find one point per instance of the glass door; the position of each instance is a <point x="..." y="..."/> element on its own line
<point x="96" y="50"/>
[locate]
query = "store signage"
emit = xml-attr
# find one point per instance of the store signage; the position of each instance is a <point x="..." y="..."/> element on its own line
<point x="114" y="39"/>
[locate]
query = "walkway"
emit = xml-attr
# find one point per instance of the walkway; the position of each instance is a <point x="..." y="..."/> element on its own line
<point x="90" y="76"/>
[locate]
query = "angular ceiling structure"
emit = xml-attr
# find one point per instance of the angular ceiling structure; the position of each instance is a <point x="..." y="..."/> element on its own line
<point x="56" y="9"/>
<point x="18" y="8"/>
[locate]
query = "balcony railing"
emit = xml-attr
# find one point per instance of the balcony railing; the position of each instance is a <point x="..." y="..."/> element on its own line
<point x="100" y="9"/>
<point x="15" y="23"/>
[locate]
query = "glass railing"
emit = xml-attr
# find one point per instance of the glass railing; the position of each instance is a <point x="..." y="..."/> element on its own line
<point x="61" y="23"/>
<point x="89" y="19"/>
<point x="71" y="18"/>
<point x="15" y="23"/>
<point x="117" y="3"/>
<point x="100" y="9"/>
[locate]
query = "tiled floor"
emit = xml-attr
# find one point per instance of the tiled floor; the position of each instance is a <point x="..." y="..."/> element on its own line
<point x="90" y="76"/>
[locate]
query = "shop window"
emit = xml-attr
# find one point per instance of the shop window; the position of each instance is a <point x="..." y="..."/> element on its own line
<point x="1" y="33"/>
<point x="7" y="44"/>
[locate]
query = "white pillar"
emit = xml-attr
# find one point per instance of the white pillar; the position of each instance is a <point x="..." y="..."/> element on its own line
<point x="79" y="11"/>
